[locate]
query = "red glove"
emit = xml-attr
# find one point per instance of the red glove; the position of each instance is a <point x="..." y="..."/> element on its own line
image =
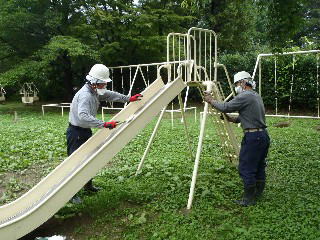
<point x="110" y="125"/>
<point x="136" y="97"/>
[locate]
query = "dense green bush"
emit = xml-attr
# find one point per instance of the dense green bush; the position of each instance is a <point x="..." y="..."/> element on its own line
<point x="305" y="88"/>
<point x="300" y="71"/>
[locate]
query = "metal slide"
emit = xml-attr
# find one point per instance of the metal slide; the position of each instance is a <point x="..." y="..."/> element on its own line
<point x="40" y="203"/>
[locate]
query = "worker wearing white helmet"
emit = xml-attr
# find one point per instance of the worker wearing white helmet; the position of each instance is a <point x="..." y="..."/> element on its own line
<point x="84" y="108"/>
<point x="256" y="141"/>
<point x="241" y="79"/>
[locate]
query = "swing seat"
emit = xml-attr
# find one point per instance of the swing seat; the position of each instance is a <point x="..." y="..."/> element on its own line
<point x="27" y="100"/>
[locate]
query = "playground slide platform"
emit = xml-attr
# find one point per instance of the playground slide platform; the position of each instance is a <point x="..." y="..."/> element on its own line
<point x="40" y="203"/>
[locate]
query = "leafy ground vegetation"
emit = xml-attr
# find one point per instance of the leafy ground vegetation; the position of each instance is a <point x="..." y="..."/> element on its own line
<point x="153" y="204"/>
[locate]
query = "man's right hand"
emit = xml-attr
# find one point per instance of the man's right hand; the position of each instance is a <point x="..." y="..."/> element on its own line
<point x="136" y="97"/>
<point x="110" y="125"/>
<point x="207" y="97"/>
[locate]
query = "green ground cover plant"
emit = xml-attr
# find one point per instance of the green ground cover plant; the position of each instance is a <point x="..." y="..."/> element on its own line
<point x="152" y="205"/>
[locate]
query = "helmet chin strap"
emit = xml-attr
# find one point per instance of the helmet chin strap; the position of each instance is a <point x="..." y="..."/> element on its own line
<point x="93" y="83"/>
<point x="93" y="86"/>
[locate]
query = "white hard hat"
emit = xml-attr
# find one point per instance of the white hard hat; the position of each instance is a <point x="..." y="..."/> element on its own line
<point x="99" y="73"/>
<point x="244" y="76"/>
<point x="240" y="76"/>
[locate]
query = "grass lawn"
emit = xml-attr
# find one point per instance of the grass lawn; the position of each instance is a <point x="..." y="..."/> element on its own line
<point x="153" y="204"/>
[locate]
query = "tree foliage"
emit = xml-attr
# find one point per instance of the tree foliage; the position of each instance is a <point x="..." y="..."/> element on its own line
<point x="232" y="20"/>
<point x="284" y="18"/>
<point x="66" y="37"/>
<point x="54" y="43"/>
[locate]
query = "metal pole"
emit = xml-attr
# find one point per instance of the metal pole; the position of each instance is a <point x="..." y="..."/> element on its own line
<point x="171" y="115"/>
<point x="318" y="85"/>
<point x="112" y="78"/>
<point x="291" y="85"/>
<point x="145" y="82"/>
<point x="255" y="67"/>
<point x="146" y="64"/>
<point x="199" y="47"/>
<point x="150" y="140"/>
<point x="210" y="61"/>
<point x="286" y="116"/>
<point x="185" y="125"/>
<point x="199" y="149"/>
<point x="102" y="114"/>
<point x="289" y="53"/>
<point x="260" y="77"/>
<point x="158" y="122"/>
<point x="205" y="50"/>
<point x="275" y="85"/>
<point x="132" y="81"/>
<point x="122" y="80"/>
<point x="278" y="54"/>
<point x="186" y="98"/>
<point x="195" y="56"/>
<point x="228" y="78"/>
<point x="174" y="58"/>
<point x="188" y="57"/>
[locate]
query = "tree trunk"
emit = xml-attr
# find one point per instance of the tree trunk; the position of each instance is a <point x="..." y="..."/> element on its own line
<point x="67" y="77"/>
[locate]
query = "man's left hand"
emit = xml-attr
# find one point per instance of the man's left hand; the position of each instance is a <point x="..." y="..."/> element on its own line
<point x="208" y="98"/>
<point x="136" y="97"/>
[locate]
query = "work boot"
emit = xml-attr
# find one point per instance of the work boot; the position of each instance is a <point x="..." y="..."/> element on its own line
<point x="260" y="184"/>
<point x="248" y="196"/>
<point x="90" y="188"/>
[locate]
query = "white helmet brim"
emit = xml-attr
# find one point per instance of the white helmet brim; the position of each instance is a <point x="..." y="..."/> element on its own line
<point x="96" y="80"/>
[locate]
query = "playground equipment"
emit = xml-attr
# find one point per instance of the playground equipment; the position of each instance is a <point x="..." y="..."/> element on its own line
<point x="2" y="94"/>
<point x="197" y="69"/>
<point x="201" y="73"/>
<point x="29" y="93"/>
<point x="145" y="72"/>
<point x="133" y="73"/>
<point x="56" y="105"/>
<point x="291" y="95"/>
<point x="176" y="51"/>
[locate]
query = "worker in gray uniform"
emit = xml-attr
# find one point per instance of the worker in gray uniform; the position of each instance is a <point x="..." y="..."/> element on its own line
<point x="255" y="142"/>
<point x="84" y="107"/>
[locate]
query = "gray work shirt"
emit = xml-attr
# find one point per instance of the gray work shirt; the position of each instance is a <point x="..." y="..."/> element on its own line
<point x="85" y="104"/>
<point x="250" y="106"/>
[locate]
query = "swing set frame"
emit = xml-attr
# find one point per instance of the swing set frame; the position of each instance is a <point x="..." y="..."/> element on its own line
<point x="259" y="69"/>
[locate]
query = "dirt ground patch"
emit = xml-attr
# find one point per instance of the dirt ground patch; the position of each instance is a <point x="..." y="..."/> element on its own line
<point x="81" y="226"/>
<point x="56" y="226"/>
<point x="14" y="184"/>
